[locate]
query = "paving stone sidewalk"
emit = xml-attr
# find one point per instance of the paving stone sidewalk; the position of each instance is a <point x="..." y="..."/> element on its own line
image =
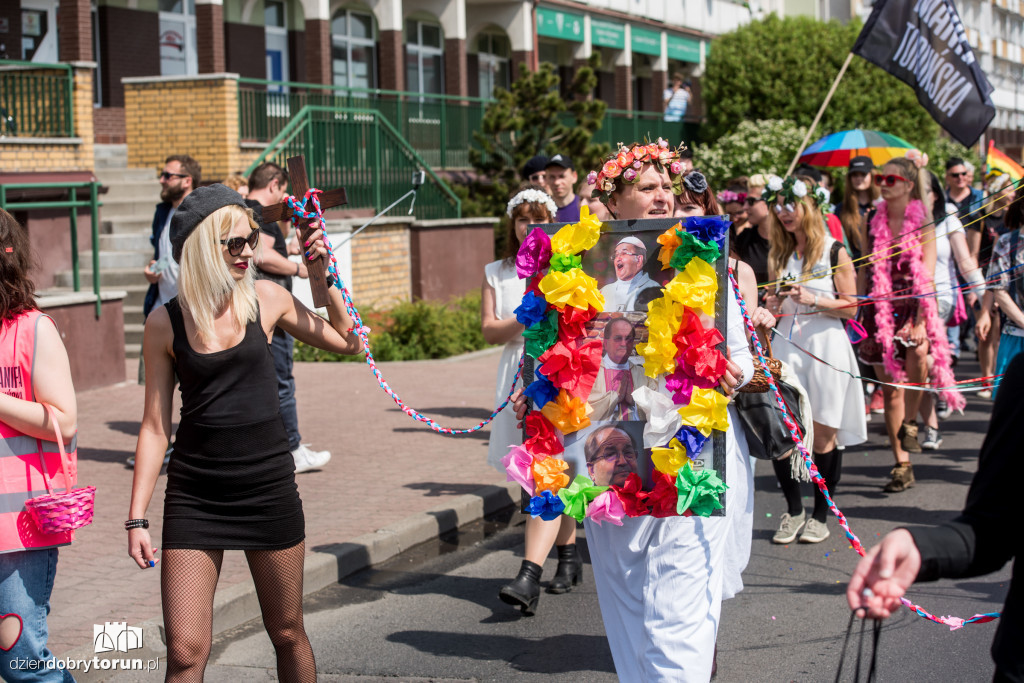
<point x="384" y="468"/>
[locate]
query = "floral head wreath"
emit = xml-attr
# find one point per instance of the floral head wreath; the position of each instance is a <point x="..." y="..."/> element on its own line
<point x="919" y="158"/>
<point x="531" y="196"/>
<point x="792" y="190"/>
<point x="625" y="166"/>
<point x="726" y="196"/>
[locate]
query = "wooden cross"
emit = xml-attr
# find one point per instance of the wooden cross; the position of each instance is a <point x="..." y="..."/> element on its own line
<point x="328" y="199"/>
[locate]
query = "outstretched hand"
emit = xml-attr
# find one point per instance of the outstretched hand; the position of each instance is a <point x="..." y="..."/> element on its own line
<point x="884" y="574"/>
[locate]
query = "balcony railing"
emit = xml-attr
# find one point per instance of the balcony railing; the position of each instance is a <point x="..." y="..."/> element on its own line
<point x="36" y="100"/>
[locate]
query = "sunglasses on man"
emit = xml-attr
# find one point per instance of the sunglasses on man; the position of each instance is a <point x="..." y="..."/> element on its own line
<point x="235" y="245"/>
<point x="961" y="174"/>
<point x="167" y="176"/>
<point x="750" y="201"/>
<point x="889" y="180"/>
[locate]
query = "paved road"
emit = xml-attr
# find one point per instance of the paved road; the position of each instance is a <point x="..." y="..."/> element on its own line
<point x="430" y="616"/>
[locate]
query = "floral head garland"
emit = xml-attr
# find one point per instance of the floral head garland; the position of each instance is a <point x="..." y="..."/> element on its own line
<point x="919" y="158"/>
<point x="793" y="190"/>
<point x="531" y="197"/>
<point x="626" y="164"/>
<point x="727" y="196"/>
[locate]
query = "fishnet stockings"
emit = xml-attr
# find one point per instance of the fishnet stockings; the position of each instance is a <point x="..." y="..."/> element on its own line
<point x="188" y="580"/>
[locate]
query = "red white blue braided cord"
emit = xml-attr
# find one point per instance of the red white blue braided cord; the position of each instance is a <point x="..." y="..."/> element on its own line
<point x="953" y="622"/>
<point x="364" y="333"/>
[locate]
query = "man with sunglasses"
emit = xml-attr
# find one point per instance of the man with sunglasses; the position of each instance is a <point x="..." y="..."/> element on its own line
<point x="959" y="190"/>
<point x="268" y="185"/>
<point x="181" y="174"/>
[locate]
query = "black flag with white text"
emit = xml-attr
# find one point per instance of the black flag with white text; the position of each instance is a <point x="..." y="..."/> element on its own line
<point x="922" y="43"/>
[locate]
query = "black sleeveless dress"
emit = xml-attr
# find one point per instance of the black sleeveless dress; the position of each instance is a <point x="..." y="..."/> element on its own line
<point x="231" y="478"/>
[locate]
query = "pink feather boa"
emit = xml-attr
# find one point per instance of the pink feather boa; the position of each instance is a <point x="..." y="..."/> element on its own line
<point x="909" y="243"/>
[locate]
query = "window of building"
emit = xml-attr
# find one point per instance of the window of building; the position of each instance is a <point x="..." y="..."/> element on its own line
<point x="424" y="57"/>
<point x="493" y="51"/>
<point x="178" y="38"/>
<point x="354" y="49"/>
<point x="275" y="24"/>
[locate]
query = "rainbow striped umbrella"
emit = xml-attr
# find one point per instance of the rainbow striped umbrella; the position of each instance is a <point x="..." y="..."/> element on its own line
<point x="837" y="149"/>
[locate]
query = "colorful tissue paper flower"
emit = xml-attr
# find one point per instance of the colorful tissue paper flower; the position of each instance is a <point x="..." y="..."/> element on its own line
<point x="706" y="411"/>
<point x="668" y="240"/>
<point x="699" y="360"/>
<point x="693" y="439"/>
<point x="533" y="284"/>
<point x="532" y="310"/>
<point x="664" y="497"/>
<point x="541" y="391"/>
<point x="662" y="419"/>
<point x="699" y="492"/>
<point x="663" y="318"/>
<point x="578" y="495"/>
<point x="563" y="262"/>
<point x="670" y="459"/>
<point x="519" y="467"/>
<point x="577" y="237"/>
<point x="568" y="413"/>
<point x="547" y="506"/>
<point x="571" y="288"/>
<point x="534" y="253"/>
<point x="690" y="248"/>
<point x="708" y="228"/>
<point x="696" y="286"/>
<point x="572" y="322"/>
<point x="549" y="474"/>
<point x="541" y="336"/>
<point x="572" y="368"/>
<point x="632" y="496"/>
<point x="606" y="508"/>
<point x="541" y="438"/>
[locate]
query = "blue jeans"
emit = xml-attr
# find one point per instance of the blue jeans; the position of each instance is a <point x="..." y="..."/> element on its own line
<point x="26" y="581"/>
<point x="281" y="348"/>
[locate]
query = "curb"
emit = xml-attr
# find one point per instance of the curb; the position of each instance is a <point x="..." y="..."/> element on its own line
<point x="330" y="564"/>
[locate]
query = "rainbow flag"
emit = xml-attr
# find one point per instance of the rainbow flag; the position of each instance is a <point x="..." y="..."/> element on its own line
<point x="997" y="161"/>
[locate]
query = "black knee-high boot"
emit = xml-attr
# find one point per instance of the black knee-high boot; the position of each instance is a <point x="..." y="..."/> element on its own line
<point x="830" y="466"/>
<point x="790" y="486"/>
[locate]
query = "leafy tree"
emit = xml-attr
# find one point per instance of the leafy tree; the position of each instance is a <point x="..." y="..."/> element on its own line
<point x="782" y="69"/>
<point x="533" y="118"/>
<point x="753" y="147"/>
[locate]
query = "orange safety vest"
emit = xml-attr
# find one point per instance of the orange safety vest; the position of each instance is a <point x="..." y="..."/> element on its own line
<point x="21" y="467"/>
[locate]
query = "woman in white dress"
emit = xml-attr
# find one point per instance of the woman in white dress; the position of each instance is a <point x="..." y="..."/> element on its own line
<point x="500" y="295"/>
<point x="815" y="293"/>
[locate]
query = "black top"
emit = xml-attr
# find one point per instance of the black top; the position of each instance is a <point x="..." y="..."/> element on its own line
<point x="753" y="250"/>
<point x="271" y="229"/>
<point x="234" y="386"/>
<point x="986" y="535"/>
<point x="991" y="228"/>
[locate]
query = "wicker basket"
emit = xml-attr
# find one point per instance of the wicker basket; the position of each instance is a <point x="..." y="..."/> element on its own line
<point x="759" y="382"/>
<point x="55" y="513"/>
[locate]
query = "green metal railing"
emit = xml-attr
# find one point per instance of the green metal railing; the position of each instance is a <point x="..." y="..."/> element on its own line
<point x="439" y="127"/>
<point x="36" y="100"/>
<point x="360" y="150"/>
<point x="72" y="203"/>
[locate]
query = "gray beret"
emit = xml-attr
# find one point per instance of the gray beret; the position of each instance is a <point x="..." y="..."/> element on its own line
<point x="196" y="206"/>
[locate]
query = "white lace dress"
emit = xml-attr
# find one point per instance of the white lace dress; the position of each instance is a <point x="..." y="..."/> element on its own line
<point x="837" y="399"/>
<point x="508" y="294"/>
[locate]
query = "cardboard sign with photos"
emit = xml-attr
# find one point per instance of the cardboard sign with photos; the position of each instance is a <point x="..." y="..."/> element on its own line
<point x="649" y="355"/>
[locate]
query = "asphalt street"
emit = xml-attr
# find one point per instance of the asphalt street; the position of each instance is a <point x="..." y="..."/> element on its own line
<point x="432" y="613"/>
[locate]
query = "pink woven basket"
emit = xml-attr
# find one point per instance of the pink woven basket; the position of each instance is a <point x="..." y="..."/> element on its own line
<point x="53" y="512"/>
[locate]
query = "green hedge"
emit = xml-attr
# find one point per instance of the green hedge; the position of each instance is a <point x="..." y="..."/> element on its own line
<point x="417" y="330"/>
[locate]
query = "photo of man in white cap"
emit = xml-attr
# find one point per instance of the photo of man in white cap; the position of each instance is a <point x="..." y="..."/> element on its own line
<point x="628" y="259"/>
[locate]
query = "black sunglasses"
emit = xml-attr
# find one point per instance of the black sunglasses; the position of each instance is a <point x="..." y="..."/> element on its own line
<point x="167" y="176"/>
<point x="750" y="201"/>
<point x="237" y="244"/>
<point x="960" y="175"/>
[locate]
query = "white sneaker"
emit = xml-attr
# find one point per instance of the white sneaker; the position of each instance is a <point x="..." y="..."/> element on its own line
<point x="306" y="459"/>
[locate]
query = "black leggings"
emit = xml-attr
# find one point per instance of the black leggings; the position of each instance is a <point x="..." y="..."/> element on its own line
<point x="830" y="466"/>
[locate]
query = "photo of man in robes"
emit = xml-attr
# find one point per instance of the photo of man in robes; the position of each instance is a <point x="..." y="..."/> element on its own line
<point x="628" y="259"/>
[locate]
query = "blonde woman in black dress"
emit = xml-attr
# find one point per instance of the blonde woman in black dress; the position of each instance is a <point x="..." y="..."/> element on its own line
<point x="230" y="481"/>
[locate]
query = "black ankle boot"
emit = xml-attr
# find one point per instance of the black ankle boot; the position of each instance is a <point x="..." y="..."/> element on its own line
<point x="569" y="572"/>
<point x="524" y="590"/>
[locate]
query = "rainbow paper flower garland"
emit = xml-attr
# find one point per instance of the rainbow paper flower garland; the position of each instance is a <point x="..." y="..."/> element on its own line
<point x="559" y="300"/>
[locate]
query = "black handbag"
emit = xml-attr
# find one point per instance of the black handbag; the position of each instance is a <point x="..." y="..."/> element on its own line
<point x="768" y="437"/>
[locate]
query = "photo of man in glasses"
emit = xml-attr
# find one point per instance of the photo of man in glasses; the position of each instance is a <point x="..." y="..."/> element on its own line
<point x="612" y="454"/>
<point x="628" y="261"/>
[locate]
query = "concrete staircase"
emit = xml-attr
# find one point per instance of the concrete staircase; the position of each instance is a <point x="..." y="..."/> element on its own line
<point x="126" y="221"/>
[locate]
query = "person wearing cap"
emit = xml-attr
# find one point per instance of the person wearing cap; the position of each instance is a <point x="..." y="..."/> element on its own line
<point x="560" y="176"/>
<point x="231" y="479"/>
<point x="533" y="171"/>
<point x="859" y="196"/>
<point x="628" y="260"/>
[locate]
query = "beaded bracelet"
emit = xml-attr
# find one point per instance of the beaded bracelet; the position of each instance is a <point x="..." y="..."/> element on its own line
<point x="136" y="524"/>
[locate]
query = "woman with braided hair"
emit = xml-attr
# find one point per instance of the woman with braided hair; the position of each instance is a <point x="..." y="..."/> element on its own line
<point x="231" y="479"/>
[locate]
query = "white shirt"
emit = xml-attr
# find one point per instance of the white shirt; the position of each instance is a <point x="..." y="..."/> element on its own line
<point x="945" y="265"/>
<point x="621" y="294"/>
<point x="167" y="285"/>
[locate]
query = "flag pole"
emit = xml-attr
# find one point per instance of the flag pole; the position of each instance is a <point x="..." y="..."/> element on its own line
<point x="814" y="124"/>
